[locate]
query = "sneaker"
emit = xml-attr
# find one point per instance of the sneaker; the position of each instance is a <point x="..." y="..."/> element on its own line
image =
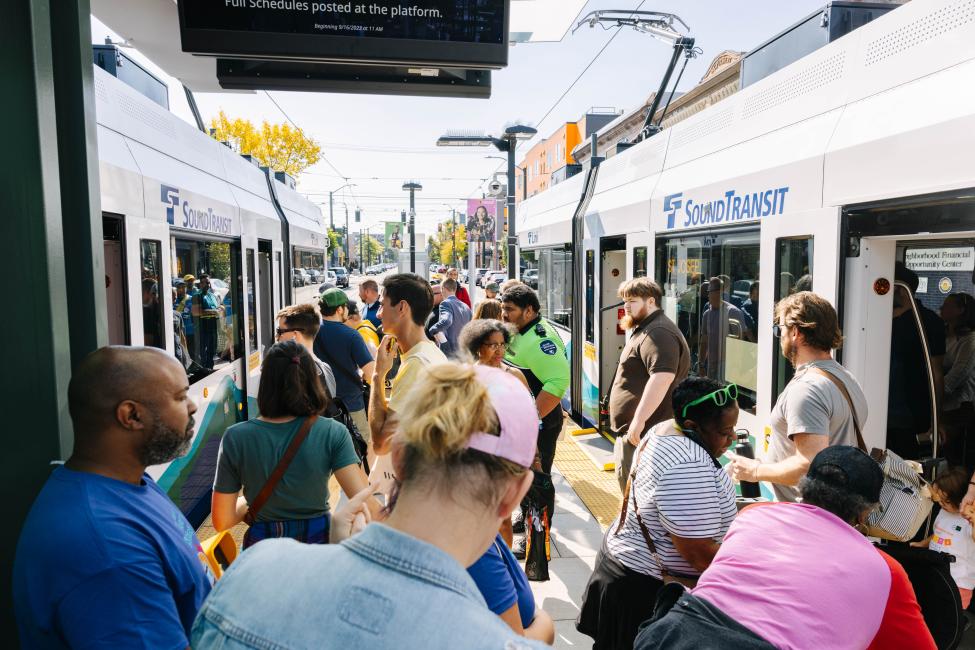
<point x="519" y="524"/>
<point x="521" y="545"/>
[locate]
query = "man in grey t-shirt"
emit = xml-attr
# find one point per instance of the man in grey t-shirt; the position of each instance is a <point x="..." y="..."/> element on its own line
<point x="811" y="413"/>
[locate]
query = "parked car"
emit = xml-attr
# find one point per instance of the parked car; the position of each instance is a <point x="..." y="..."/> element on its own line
<point x="530" y="277"/>
<point x="297" y="277"/>
<point x="495" y="276"/>
<point x="315" y="275"/>
<point x="341" y="276"/>
<point x="480" y="276"/>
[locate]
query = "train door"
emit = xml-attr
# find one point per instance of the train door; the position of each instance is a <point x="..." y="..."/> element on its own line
<point x="612" y="273"/>
<point x="798" y="252"/>
<point x="115" y="284"/>
<point x="265" y="290"/>
<point x="913" y="375"/>
<point x="148" y="283"/>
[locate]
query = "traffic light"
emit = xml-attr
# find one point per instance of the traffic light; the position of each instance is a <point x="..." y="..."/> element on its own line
<point x="402" y="216"/>
<point x="358" y="215"/>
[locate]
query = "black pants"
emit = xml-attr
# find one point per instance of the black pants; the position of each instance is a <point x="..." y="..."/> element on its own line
<point x="208" y="341"/>
<point x="548" y="437"/>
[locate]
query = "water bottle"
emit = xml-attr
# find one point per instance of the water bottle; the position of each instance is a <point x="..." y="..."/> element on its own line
<point x="749" y="490"/>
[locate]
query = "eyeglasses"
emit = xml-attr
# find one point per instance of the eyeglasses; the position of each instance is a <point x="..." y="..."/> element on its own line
<point x="495" y="346"/>
<point x="720" y="397"/>
<point x="281" y="331"/>
<point x="777" y="331"/>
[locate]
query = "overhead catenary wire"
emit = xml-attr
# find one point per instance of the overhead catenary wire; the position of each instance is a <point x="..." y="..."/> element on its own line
<point x="295" y="124"/>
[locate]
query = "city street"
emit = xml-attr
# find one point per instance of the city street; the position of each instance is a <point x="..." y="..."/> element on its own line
<point x="309" y="293"/>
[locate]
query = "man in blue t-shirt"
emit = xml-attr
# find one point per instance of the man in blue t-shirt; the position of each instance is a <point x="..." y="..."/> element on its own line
<point x="344" y="350"/>
<point x="105" y="559"/>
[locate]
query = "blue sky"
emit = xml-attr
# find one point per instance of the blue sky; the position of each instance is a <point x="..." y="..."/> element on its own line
<point x="391" y="139"/>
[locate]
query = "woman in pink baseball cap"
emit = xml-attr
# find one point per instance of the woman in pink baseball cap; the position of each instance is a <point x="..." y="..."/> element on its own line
<point x="462" y="458"/>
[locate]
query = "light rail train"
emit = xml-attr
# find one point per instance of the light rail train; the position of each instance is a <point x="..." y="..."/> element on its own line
<point x="176" y="202"/>
<point x="819" y="176"/>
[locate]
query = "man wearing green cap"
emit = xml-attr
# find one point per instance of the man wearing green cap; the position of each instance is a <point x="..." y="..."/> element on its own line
<point x="491" y="291"/>
<point x="344" y="350"/>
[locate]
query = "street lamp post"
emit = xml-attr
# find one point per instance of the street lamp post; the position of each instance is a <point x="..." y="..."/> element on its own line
<point x="507" y="144"/>
<point x="413" y="187"/>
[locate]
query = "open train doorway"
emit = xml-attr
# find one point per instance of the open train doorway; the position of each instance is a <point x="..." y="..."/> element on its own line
<point x="912" y="346"/>
<point x="612" y="337"/>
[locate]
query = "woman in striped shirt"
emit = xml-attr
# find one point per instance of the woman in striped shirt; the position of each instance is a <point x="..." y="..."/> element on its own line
<point x="677" y="507"/>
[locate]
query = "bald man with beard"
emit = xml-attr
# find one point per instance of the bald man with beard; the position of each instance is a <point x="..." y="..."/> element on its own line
<point x="105" y="559"/>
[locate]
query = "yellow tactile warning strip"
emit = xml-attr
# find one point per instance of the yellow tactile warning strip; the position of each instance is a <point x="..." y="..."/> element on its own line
<point x="599" y="490"/>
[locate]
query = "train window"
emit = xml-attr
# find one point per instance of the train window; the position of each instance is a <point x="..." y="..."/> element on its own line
<point x="211" y="319"/>
<point x="281" y="293"/>
<point x="707" y="280"/>
<point x="152" y="286"/>
<point x="549" y="272"/>
<point x="590" y="295"/>
<point x="793" y="258"/>
<point x="640" y="262"/>
<point x="251" y="301"/>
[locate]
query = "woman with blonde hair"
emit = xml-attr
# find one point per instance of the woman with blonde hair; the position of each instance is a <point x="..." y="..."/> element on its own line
<point x="461" y="457"/>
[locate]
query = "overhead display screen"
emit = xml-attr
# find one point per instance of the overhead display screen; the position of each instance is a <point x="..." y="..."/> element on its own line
<point x="458" y="33"/>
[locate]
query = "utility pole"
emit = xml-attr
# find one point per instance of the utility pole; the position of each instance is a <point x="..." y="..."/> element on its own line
<point x="413" y="187"/>
<point x="331" y="217"/>
<point x="453" y="236"/>
<point x="347" y="234"/>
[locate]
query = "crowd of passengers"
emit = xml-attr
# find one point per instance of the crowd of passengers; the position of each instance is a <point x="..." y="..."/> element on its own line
<point x="420" y="552"/>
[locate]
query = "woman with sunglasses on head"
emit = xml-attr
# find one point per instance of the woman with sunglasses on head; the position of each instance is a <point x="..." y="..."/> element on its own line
<point x="291" y="400"/>
<point x="678" y="505"/>
<point x="486" y="341"/>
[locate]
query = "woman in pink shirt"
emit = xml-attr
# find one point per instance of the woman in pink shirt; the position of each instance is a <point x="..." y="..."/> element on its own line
<point x="800" y="575"/>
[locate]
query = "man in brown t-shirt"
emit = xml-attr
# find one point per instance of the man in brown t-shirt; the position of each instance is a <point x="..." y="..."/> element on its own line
<point x="654" y="360"/>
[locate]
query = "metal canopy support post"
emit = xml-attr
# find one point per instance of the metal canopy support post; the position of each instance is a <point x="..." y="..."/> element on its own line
<point x="412" y="187"/>
<point x="512" y="229"/>
<point x="50" y="192"/>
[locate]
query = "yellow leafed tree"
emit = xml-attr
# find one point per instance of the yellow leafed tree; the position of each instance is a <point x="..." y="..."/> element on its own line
<point x="447" y="244"/>
<point x="278" y="146"/>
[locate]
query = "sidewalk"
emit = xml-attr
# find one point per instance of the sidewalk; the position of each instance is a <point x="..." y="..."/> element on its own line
<point x="576" y="536"/>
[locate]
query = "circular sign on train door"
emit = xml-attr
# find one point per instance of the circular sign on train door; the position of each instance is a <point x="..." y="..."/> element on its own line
<point x="944" y="285"/>
<point x="881" y="286"/>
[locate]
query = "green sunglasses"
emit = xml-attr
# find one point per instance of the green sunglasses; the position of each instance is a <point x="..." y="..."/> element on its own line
<point x="720" y="397"/>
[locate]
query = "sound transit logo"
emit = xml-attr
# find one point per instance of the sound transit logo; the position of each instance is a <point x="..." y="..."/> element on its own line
<point x="169" y="196"/>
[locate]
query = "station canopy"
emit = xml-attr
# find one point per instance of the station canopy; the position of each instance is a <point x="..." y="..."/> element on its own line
<point x="153" y="28"/>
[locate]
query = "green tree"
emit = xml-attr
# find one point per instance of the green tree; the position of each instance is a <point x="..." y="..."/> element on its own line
<point x="278" y="146"/>
<point x="335" y="243"/>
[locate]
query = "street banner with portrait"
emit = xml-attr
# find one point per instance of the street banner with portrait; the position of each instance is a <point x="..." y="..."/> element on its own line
<point x="394" y="234"/>
<point x="483" y="222"/>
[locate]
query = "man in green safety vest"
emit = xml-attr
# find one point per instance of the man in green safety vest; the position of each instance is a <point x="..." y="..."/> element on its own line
<point x="537" y="349"/>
